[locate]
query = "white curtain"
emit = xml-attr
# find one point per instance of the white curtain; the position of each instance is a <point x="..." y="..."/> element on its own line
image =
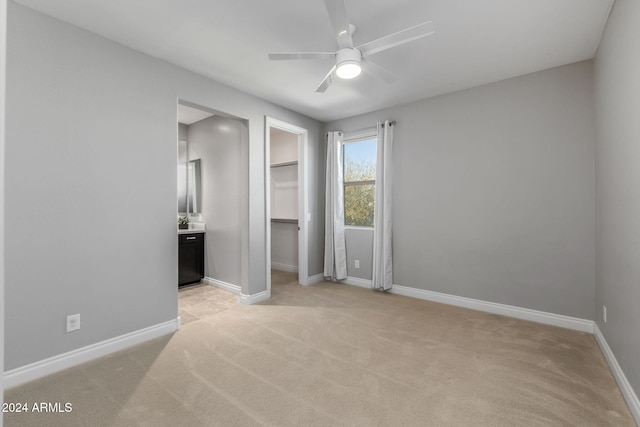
<point x="335" y="250"/>
<point x="382" y="257"/>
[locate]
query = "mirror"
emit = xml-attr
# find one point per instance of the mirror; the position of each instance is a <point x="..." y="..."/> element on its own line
<point x="182" y="178"/>
<point x="194" y="187"/>
<point x="189" y="183"/>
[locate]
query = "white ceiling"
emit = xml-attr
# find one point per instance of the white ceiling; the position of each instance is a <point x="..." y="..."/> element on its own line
<point x="189" y="115"/>
<point x="475" y="42"/>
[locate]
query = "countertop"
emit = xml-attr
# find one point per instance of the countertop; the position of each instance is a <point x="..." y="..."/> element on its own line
<point x="191" y="231"/>
<point x="194" y="227"/>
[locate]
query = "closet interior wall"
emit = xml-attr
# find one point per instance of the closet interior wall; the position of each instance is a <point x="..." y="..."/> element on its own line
<point x="284" y="200"/>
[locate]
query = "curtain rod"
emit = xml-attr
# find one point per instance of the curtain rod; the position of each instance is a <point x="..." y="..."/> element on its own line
<point x="357" y="131"/>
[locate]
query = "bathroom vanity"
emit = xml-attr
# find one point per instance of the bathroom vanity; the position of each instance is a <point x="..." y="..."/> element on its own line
<point x="190" y="256"/>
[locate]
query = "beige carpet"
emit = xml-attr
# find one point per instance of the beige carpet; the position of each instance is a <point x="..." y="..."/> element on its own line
<point x="337" y="355"/>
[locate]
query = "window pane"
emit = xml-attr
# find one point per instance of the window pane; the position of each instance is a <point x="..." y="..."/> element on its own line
<point x="359" y="165"/>
<point x="358" y="205"/>
<point x="360" y="161"/>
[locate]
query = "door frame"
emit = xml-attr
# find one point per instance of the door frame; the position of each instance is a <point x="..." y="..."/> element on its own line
<point x="303" y="196"/>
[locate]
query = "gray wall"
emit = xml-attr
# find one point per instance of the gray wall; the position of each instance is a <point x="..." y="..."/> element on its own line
<point x="494" y="191"/>
<point x="3" y="22"/>
<point x="617" y="89"/>
<point x="284" y="246"/>
<point x="91" y="194"/>
<point x="284" y="147"/>
<point x="183" y="132"/>
<point x="359" y="243"/>
<point x="222" y="145"/>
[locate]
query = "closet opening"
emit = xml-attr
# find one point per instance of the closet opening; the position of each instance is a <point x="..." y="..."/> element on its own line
<point x="286" y="201"/>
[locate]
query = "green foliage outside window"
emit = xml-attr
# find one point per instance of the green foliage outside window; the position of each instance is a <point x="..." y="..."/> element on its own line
<point x="359" y="189"/>
<point x="358" y="205"/>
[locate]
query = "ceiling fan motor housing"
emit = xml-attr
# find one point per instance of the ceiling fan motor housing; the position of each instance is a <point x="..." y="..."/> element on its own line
<point x="348" y="62"/>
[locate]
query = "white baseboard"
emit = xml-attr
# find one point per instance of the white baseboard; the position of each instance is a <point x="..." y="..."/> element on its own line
<point x="284" y="267"/>
<point x="237" y="290"/>
<point x="234" y="289"/>
<point x="627" y="391"/>
<point x="568" y="322"/>
<point x="57" y="363"/>
<point x="356" y="281"/>
<point x="315" y="279"/>
<point x="255" y="298"/>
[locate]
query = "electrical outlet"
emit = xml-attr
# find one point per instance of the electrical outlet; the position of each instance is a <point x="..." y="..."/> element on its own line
<point x="73" y="322"/>
<point x="604" y="313"/>
<point x="356" y="263"/>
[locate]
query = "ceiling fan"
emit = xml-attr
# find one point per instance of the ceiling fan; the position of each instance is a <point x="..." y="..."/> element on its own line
<point x="351" y="60"/>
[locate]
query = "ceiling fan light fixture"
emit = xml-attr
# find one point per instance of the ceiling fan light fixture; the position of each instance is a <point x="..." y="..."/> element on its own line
<point x="348" y="69"/>
<point x="348" y="63"/>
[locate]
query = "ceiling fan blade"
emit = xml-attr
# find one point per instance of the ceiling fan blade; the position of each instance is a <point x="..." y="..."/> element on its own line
<point x="396" y="39"/>
<point x="326" y="82"/>
<point x="340" y="21"/>
<point x="301" y="55"/>
<point x="377" y="71"/>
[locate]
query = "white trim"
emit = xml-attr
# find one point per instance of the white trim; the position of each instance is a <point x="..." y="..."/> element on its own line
<point x="62" y="361"/>
<point x="284" y="267"/>
<point x="568" y="322"/>
<point x="255" y="298"/>
<point x="627" y="391"/>
<point x="356" y="281"/>
<point x="315" y="279"/>
<point x="360" y="135"/>
<point x="234" y="289"/>
<point x="304" y="216"/>
<point x="359" y="227"/>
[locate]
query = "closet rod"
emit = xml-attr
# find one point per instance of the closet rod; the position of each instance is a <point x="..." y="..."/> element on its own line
<point x="284" y="220"/>
<point x="277" y="165"/>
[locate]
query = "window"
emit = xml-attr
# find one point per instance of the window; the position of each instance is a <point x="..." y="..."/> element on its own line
<point x="359" y="181"/>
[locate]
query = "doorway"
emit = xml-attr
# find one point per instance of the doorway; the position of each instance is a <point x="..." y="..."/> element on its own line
<point x="287" y="206"/>
<point x="214" y="145"/>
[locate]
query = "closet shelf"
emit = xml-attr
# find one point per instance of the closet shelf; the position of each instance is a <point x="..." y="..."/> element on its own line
<point x="285" y="220"/>
<point x="279" y="165"/>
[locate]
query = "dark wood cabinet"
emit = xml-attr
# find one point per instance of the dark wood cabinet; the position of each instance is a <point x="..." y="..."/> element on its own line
<point x="190" y="258"/>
